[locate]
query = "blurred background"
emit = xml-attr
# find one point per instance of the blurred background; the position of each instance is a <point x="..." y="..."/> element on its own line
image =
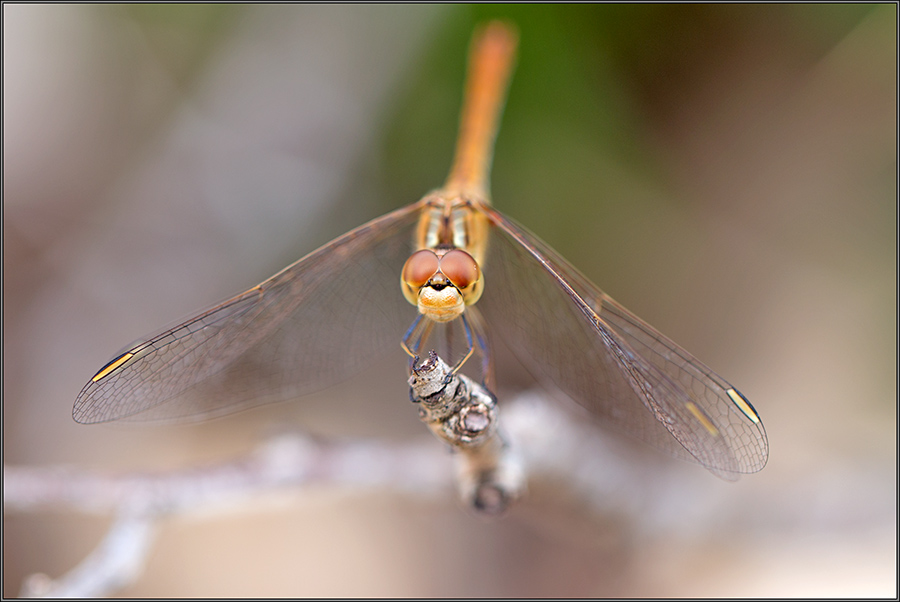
<point x="728" y="173"/>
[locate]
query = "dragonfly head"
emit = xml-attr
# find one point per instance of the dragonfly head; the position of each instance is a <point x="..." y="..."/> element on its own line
<point x="441" y="282"/>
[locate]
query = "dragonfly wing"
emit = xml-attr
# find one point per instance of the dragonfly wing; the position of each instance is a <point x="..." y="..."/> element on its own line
<point x="723" y="405"/>
<point x="624" y="372"/>
<point x="307" y="327"/>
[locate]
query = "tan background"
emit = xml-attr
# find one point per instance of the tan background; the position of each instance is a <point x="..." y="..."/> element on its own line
<point x="727" y="172"/>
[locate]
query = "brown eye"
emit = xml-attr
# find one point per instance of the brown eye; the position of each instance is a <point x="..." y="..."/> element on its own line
<point x="460" y="268"/>
<point x="420" y="266"/>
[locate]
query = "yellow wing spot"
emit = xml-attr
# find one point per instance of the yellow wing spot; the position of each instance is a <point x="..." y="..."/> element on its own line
<point x="702" y="419"/>
<point x="104" y="372"/>
<point x="742" y="404"/>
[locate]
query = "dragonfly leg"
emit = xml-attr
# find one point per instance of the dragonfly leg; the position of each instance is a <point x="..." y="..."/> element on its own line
<point x="484" y="348"/>
<point x="474" y="331"/>
<point x="412" y="340"/>
<point x="470" y="347"/>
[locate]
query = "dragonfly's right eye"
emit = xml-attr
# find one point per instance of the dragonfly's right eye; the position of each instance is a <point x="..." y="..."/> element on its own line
<point x="417" y="271"/>
<point x="460" y="268"/>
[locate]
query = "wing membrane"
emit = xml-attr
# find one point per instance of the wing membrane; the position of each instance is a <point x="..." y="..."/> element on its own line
<point x="305" y="328"/>
<point x="619" y="368"/>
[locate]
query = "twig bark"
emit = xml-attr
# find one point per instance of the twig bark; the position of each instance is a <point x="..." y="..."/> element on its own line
<point x="140" y="500"/>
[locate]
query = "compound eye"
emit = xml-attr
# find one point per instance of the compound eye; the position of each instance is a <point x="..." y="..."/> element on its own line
<point x="420" y="267"/>
<point x="460" y="268"/>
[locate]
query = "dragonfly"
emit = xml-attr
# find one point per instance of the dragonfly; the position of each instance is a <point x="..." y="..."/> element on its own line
<point x="460" y="263"/>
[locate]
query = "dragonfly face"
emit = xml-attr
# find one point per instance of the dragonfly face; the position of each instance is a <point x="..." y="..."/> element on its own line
<point x="441" y="282"/>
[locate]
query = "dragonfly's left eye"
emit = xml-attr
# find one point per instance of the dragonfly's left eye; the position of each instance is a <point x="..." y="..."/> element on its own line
<point x="460" y="268"/>
<point x="420" y="267"/>
<point x="417" y="271"/>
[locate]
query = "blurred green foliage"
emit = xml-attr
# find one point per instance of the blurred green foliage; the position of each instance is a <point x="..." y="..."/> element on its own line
<point x="183" y="36"/>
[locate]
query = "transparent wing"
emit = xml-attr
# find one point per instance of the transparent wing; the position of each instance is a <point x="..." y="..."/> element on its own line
<point x="624" y="372"/>
<point x="305" y="328"/>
